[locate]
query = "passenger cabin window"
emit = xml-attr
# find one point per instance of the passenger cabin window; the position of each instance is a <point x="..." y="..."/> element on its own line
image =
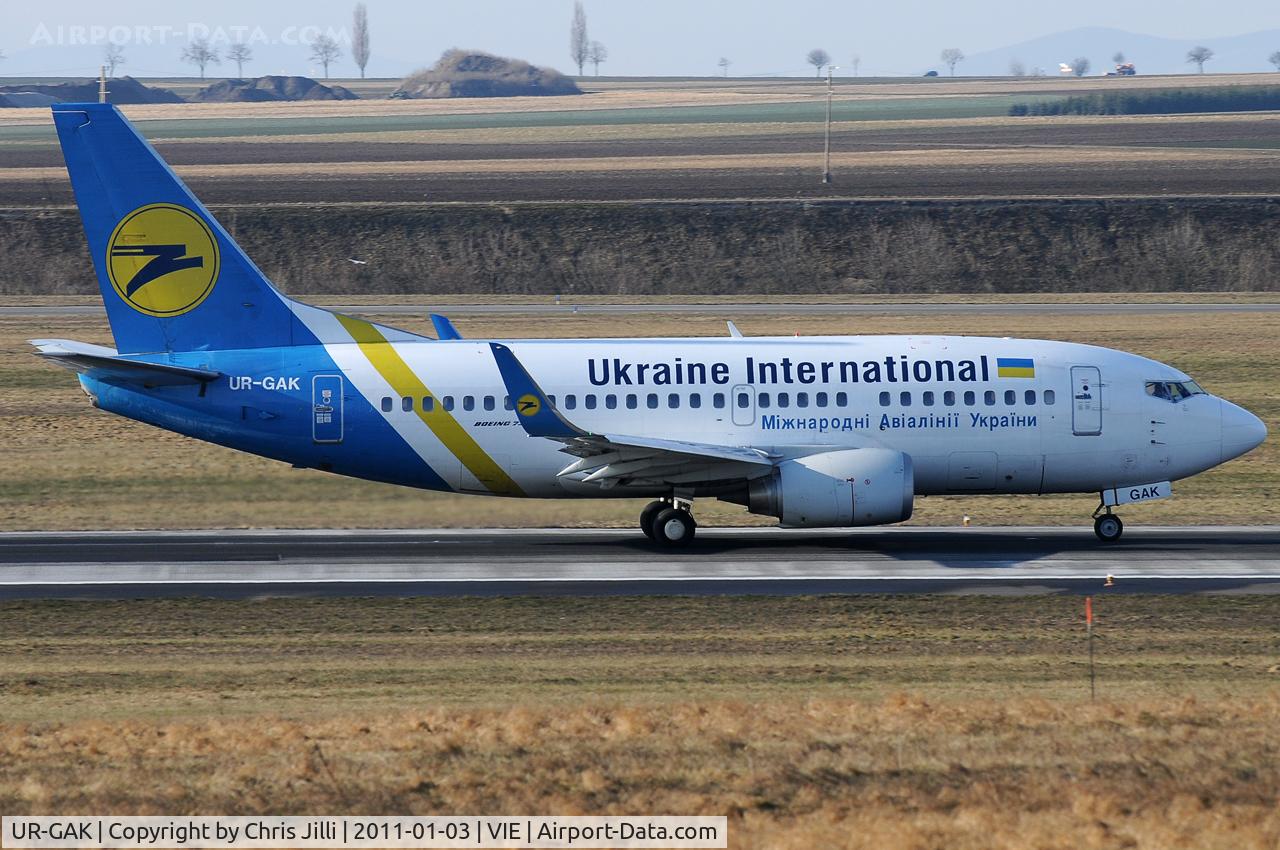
<point x="1050" y="396"/>
<point x="469" y="402"/>
<point x="784" y="399"/>
<point x="969" y="398"/>
<point x="842" y="399"/>
<point x="904" y="399"/>
<point x="820" y="399"/>
<point x="717" y="401"/>
<point x="506" y="403"/>
<point x="802" y="399"/>
<point x="571" y="402"/>
<point x="386" y="404"/>
<point x="611" y="401"/>
<point x="949" y="398"/>
<point x="1030" y="397"/>
<point x="762" y="400"/>
<point x="989" y="398"/>
<point x="428" y="403"/>
<point x="744" y="400"/>
<point x="927" y="398"/>
<point x="448" y="402"/>
<point x="633" y="401"/>
<point x="673" y="400"/>
<point x="1010" y="397"/>
<point x="590" y="401"/>
<point x="695" y="400"/>
<point x="651" y="401"/>
<point x="489" y="402"/>
<point x="884" y="399"/>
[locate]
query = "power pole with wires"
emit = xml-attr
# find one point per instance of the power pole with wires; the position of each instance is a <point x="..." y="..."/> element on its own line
<point x="102" y="84"/>
<point x="826" y="146"/>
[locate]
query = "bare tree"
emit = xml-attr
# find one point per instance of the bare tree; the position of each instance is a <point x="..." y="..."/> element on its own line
<point x="951" y="57"/>
<point x="818" y="58"/>
<point x="325" y="50"/>
<point x="855" y="63"/>
<point x="1017" y="68"/>
<point x="1198" y="56"/>
<point x="597" y="53"/>
<point x="578" y="44"/>
<point x="1274" y="59"/>
<point x="112" y="57"/>
<point x="200" y="54"/>
<point x="1079" y="66"/>
<point x="239" y="53"/>
<point x="1118" y="58"/>
<point x="360" y="37"/>
<point x="724" y="66"/>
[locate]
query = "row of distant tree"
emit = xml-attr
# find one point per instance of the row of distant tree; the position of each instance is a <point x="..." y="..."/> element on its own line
<point x="953" y="56"/>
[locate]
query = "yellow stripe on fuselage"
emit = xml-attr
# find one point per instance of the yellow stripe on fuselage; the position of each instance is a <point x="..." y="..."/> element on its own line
<point x="391" y="366"/>
<point x="1015" y="371"/>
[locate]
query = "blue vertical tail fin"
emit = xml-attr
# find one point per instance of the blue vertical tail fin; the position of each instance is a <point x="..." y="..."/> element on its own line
<point x="171" y="277"/>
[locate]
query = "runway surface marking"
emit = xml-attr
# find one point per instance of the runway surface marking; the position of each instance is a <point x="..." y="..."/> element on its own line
<point x="611" y="561"/>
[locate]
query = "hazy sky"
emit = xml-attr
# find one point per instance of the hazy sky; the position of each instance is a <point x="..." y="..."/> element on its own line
<point x="660" y="37"/>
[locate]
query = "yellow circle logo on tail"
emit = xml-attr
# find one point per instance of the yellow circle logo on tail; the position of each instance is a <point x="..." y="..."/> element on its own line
<point x="528" y="405"/>
<point x="162" y="259"/>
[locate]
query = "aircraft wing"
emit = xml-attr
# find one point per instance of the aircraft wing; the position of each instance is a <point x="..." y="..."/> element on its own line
<point x="102" y="362"/>
<point x="611" y="459"/>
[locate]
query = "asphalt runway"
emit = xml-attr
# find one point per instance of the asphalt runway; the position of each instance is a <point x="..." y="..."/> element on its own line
<point x="729" y="310"/>
<point x="584" y="562"/>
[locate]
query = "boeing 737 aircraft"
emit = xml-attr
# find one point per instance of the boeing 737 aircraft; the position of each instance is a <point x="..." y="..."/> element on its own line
<point x="816" y="431"/>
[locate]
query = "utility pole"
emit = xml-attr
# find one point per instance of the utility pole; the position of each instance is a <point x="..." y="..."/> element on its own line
<point x="826" y="146"/>
<point x="102" y="84"/>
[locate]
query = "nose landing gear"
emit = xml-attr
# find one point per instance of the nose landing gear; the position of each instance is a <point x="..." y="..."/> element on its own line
<point x="1107" y="525"/>
<point x="669" y="522"/>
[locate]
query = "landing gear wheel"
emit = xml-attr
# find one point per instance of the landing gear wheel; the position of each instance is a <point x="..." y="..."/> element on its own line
<point x="649" y="514"/>
<point x="1108" y="527"/>
<point x="673" y="527"/>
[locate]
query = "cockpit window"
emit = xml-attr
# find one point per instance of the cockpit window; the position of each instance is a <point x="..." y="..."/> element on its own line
<point x="1173" y="391"/>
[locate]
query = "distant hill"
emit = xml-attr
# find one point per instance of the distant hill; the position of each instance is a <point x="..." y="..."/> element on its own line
<point x="1151" y="54"/>
<point x="271" y="88"/>
<point x="462" y="73"/>
<point x="120" y="90"/>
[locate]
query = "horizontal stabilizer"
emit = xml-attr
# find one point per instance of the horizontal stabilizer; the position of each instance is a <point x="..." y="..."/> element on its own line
<point x="104" y="363"/>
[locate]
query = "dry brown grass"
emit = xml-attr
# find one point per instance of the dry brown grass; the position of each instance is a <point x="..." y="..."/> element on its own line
<point x="69" y="466"/>
<point x="907" y="722"/>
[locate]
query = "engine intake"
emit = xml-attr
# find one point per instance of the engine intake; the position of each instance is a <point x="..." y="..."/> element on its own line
<point x="837" y="489"/>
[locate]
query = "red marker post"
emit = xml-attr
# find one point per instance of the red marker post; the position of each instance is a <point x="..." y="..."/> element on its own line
<point x="1088" y="624"/>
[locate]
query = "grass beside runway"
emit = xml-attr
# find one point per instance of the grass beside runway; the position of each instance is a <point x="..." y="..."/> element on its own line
<point x="839" y="721"/>
<point x="68" y="466"/>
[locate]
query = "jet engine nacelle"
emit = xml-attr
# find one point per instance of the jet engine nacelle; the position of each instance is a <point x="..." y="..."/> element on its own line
<point x="837" y="489"/>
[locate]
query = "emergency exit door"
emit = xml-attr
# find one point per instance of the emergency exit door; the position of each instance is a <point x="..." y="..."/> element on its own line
<point x="326" y="408"/>
<point x="1086" y="401"/>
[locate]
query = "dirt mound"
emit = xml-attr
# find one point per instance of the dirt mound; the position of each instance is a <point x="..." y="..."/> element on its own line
<point x="270" y="89"/>
<point x="120" y="90"/>
<point x="462" y="73"/>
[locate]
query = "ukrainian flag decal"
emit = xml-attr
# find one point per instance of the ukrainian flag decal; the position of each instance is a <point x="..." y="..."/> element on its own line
<point x="1015" y="367"/>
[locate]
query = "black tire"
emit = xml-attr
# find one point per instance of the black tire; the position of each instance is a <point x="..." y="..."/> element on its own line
<point x="648" y="515"/>
<point x="1108" y="527"/>
<point x="674" y="528"/>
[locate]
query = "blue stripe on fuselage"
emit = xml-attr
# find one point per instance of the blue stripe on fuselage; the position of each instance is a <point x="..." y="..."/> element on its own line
<point x="275" y="423"/>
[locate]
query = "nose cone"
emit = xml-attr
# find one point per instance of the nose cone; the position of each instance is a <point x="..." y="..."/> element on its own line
<point x="1241" y="431"/>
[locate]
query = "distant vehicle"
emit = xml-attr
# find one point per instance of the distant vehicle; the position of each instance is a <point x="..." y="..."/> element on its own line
<point x="832" y="431"/>
<point x="931" y="73"/>
<point x="1125" y="69"/>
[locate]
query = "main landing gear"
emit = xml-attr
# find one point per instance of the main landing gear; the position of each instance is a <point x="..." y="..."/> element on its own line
<point x="1107" y="525"/>
<point x="669" y="522"/>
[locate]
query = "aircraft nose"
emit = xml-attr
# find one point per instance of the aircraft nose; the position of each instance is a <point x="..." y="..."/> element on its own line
<point x="1241" y="431"/>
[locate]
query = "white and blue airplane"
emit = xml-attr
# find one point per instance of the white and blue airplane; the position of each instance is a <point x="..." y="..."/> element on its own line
<point x="815" y="431"/>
